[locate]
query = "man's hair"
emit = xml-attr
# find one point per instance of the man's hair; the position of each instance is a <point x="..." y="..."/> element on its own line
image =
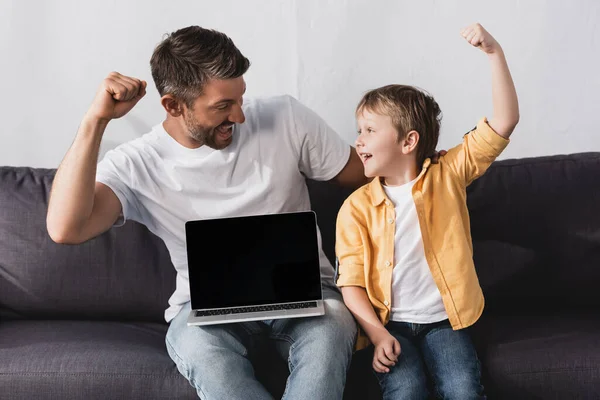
<point x="410" y="108"/>
<point x="188" y="58"/>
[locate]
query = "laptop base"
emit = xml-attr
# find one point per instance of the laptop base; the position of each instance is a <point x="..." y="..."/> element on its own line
<point x="255" y="316"/>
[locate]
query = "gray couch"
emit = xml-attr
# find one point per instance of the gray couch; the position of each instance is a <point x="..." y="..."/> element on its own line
<point x="86" y="322"/>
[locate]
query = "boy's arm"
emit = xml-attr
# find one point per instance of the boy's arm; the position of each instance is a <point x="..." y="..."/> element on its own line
<point x="349" y="249"/>
<point x="387" y="348"/>
<point x="483" y="145"/>
<point x="504" y="96"/>
<point x="358" y="303"/>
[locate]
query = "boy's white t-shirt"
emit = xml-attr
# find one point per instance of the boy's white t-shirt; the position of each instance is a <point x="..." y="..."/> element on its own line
<point x="162" y="184"/>
<point x="415" y="296"/>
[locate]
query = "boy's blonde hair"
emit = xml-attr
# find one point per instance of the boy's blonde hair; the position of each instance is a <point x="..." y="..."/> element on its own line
<point x="410" y="108"/>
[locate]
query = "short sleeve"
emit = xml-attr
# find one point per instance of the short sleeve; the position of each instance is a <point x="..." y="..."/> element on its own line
<point x="476" y="153"/>
<point x="322" y="152"/>
<point x="115" y="172"/>
<point x="349" y="248"/>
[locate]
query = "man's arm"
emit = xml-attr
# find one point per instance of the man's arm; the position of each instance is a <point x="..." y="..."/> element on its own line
<point x="81" y="208"/>
<point x="353" y="173"/>
<point x="504" y="96"/>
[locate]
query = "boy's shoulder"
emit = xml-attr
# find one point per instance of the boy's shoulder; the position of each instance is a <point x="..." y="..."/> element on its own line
<point x="361" y="198"/>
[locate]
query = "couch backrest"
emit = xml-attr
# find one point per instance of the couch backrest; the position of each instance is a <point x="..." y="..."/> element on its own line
<point x="124" y="274"/>
<point x="536" y="229"/>
<point x="535" y="225"/>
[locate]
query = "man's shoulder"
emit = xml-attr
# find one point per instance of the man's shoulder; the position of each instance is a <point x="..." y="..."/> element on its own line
<point x="130" y="151"/>
<point x="263" y="103"/>
<point x="278" y="114"/>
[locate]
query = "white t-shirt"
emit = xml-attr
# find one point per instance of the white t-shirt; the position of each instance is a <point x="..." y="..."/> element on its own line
<point x="415" y="296"/>
<point x="162" y="184"/>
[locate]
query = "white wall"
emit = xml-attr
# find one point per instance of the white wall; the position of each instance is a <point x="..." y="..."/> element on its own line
<point x="54" y="54"/>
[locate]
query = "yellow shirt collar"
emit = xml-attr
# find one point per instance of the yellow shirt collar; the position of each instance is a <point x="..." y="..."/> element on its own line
<point x="378" y="194"/>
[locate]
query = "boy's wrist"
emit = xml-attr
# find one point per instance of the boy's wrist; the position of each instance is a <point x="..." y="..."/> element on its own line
<point x="377" y="334"/>
<point x="497" y="53"/>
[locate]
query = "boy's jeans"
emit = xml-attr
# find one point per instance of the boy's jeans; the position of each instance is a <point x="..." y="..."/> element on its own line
<point x="215" y="358"/>
<point x="437" y="351"/>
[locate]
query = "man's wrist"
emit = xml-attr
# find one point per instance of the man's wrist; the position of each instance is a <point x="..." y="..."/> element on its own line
<point x="91" y="120"/>
<point x="92" y="126"/>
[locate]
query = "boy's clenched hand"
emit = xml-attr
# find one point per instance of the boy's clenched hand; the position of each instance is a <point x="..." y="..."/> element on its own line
<point x="387" y="350"/>
<point x="477" y="36"/>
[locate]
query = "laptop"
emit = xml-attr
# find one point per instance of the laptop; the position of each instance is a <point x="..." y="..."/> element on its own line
<point x="254" y="268"/>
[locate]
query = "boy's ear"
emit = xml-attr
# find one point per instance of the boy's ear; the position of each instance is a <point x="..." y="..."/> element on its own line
<point x="171" y="105"/>
<point x="409" y="144"/>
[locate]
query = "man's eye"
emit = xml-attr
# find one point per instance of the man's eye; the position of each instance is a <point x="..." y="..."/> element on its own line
<point x="223" y="107"/>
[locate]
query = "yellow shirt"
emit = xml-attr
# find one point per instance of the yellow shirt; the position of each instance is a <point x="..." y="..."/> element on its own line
<point x="366" y="229"/>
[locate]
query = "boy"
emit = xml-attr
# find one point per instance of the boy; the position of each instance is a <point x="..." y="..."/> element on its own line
<point x="403" y="241"/>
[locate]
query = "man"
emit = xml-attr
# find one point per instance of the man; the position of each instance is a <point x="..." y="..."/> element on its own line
<point x="212" y="157"/>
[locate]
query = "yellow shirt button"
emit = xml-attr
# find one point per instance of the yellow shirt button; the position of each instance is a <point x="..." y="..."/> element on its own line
<point x="387" y="263"/>
<point x="386" y="303"/>
<point x="390" y="221"/>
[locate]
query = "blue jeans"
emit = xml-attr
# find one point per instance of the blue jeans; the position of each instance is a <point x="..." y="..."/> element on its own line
<point x="435" y="350"/>
<point x="214" y="359"/>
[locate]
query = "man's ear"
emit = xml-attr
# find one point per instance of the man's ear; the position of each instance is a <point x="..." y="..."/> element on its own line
<point x="172" y="106"/>
<point x="409" y="144"/>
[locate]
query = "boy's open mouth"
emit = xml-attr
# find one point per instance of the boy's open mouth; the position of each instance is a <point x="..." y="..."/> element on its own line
<point x="365" y="156"/>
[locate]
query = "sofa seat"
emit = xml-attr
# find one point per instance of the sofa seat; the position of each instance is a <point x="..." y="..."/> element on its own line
<point x="88" y="360"/>
<point x="541" y="356"/>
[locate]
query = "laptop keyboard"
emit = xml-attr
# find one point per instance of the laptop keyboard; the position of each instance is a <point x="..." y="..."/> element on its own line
<point x="225" y="311"/>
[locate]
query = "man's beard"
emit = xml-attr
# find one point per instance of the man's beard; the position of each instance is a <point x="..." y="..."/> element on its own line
<point x="204" y="135"/>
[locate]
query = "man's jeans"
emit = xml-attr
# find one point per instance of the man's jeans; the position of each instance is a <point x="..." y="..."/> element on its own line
<point x="215" y="358"/>
<point x="435" y="350"/>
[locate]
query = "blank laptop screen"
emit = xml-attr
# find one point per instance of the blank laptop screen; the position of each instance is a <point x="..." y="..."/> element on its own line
<point x="257" y="260"/>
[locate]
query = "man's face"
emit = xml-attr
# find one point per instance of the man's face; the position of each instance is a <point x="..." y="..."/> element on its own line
<point x="210" y="120"/>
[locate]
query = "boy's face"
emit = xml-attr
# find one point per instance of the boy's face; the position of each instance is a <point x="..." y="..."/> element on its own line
<point x="377" y="145"/>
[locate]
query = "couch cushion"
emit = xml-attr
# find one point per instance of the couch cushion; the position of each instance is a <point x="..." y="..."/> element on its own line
<point x="124" y="274"/>
<point x="536" y="232"/>
<point x="87" y="360"/>
<point x="540" y="356"/>
<point x="106" y="360"/>
<point x="326" y="199"/>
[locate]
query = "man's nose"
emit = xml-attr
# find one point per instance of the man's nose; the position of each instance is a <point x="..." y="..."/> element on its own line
<point x="237" y="115"/>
